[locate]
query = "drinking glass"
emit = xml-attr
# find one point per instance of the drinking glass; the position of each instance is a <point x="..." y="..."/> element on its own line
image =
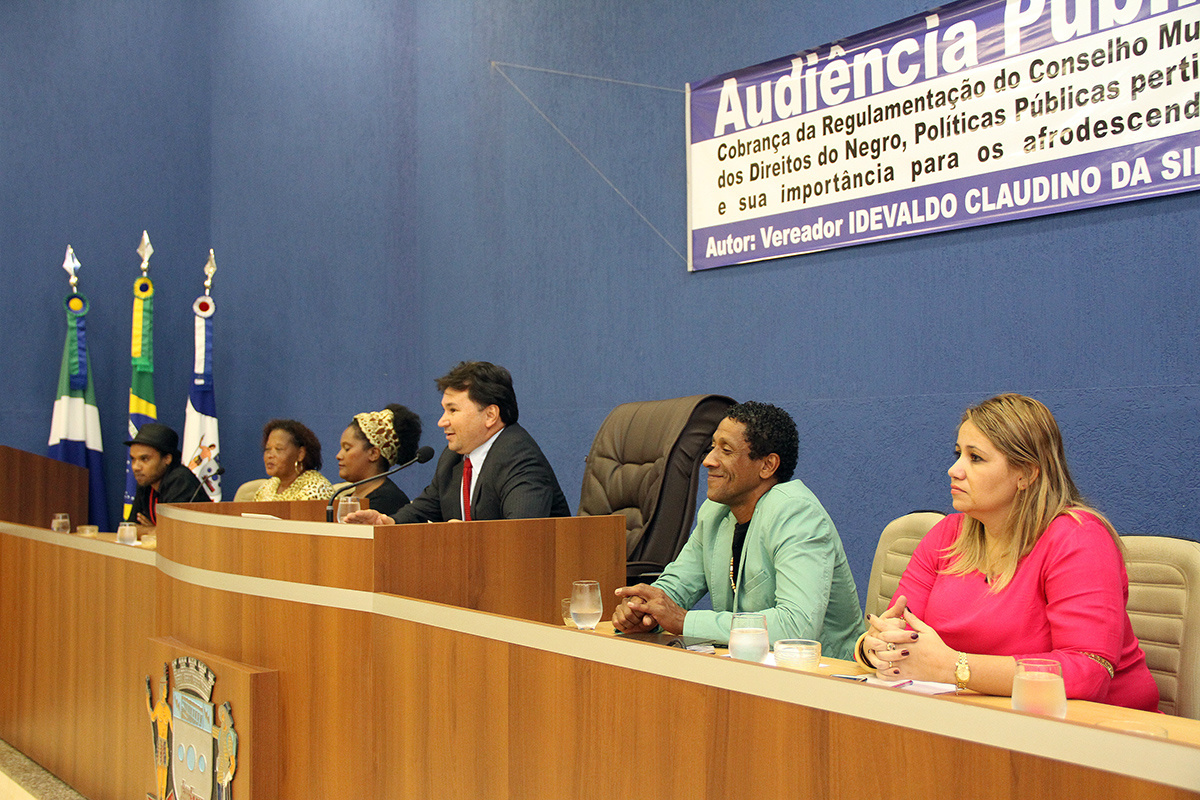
<point x="586" y="608"/>
<point x="798" y="653"/>
<point x="1038" y="687"/>
<point x="61" y="523"/>
<point x="565" y="605"/>
<point x="748" y="637"/>
<point x="127" y="533"/>
<point x="347" y="505"/>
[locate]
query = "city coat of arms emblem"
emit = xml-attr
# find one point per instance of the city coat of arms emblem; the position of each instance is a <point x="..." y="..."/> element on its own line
<point x="195" y="745"/>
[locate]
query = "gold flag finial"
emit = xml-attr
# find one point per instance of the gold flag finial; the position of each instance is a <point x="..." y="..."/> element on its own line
<point x="209" y="268"/>
<point x="145" y="250"/>
<point x="71" y="265"/>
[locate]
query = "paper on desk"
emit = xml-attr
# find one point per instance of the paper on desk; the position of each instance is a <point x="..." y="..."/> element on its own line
<point x="916" y="687"/>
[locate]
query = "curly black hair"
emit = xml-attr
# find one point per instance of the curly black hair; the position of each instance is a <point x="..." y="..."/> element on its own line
<point x="408" y="434"/>
<point x="769" y="429"/>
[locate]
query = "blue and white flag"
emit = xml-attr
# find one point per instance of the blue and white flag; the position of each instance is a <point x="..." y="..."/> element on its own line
<point x="75" y="422"/>
<point x="201" y="441"/>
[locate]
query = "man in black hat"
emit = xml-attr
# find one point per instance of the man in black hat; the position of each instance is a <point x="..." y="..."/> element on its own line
<point x="161" y="476"/>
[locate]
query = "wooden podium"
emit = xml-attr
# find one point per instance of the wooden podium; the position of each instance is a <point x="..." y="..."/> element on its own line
<point x="34" y="488"/>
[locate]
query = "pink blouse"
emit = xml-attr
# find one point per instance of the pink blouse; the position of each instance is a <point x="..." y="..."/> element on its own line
<point x="1067" y="598"/>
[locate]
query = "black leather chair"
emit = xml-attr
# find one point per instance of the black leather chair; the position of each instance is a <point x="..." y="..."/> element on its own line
<point x="645" y="464"/>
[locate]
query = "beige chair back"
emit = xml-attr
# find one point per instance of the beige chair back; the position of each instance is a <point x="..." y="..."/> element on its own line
<point x="1164" y="607"/>
<point x="896" y="545"/>
<point x="245" y="493"/>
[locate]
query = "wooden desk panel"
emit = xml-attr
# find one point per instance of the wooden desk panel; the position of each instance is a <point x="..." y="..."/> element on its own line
<point x="33" y="488"/>
<point x="317" y="553"/>
<point x="517" y="567"/>
<point x="75" y="626"/>
<point x="402" y="698"/>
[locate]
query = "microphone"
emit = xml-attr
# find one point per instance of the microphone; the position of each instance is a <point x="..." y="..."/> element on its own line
<point x="423" y="455"/>
<point x="220" y="471"/>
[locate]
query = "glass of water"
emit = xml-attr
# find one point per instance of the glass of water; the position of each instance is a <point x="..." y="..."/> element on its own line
<point x="61" y="523"/>
<point x="586" y="608"/>
<point x="347" y="505"/>
<point x="748" y="637"/>
<point x="1038" y="687"/>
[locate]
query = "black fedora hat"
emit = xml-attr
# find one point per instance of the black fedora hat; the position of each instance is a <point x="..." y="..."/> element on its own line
<point x="158" y="436"/>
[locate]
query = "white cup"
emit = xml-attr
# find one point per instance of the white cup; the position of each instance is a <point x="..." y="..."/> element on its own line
<point x="798" y="653"/>
<point x="127" y="533"/>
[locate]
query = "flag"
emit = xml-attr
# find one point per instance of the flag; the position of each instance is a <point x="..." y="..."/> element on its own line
<point x="201" y="442"/>
<point x="141" y="385"/>
<point x="75" y="422"/>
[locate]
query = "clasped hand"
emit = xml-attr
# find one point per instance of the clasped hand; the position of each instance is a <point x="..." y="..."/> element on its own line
<point x="901" y="646"/>
<point x="645" y="607"/>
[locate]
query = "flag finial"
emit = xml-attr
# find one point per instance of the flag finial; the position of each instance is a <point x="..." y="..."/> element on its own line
<point x="71" y="265"/>
<point x="145" y="250"/>
<point x="209" y="268"/>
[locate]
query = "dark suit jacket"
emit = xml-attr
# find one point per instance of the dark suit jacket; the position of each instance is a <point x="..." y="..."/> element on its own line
<point x="517" y="482"/>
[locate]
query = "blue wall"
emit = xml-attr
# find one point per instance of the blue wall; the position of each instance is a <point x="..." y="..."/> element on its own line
<point x="384" y="203"/>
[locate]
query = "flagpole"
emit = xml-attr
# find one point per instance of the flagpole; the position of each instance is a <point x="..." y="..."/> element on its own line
<point x="141" y="384"/>
<point x="75" y="420"/>
<point x="201" y="439"/>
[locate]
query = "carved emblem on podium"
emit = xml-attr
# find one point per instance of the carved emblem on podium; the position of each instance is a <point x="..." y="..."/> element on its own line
<point x="195" y="745"/>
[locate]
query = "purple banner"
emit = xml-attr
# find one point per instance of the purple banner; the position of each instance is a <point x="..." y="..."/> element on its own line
<point x="970" y="114"/>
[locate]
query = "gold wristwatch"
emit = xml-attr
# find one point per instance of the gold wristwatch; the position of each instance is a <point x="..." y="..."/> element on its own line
<point x="962" y="673"/>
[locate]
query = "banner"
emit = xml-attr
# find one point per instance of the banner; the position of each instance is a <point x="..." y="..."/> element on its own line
<point x="201" y="440"/>
<point x="141" y="385"/>
<point x="75" y="420"/>
<point x="973" y="113"/>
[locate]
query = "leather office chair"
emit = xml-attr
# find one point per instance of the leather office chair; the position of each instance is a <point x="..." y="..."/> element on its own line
<point x="245" y="492"/>
<point x="1164" y="607"/>
<point x="896" y="545"/>
<point x="645" y="464"/>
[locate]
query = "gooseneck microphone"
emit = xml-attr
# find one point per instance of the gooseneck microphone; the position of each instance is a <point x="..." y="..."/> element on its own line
<point x="220" y="471"/>
<point x="423" y="455"/>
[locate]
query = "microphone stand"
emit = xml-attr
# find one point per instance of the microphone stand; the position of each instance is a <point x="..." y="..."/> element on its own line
<point x="220" y="471"/>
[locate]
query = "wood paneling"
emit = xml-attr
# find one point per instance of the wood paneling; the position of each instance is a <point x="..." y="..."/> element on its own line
<point x="383" y="696"/>
<point x="76" y="627"/>
<point x="516" y="567"/>
<point x="34" y="488"/>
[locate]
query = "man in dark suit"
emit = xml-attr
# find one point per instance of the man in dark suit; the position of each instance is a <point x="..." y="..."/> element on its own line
<point x="508" y="476"/>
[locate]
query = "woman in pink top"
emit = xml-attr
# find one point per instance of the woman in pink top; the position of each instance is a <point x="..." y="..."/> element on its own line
<point x="1026" y="570"/>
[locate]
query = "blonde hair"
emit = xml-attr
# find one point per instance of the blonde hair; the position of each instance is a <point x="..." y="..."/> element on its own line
<point x="1025" y="433"/>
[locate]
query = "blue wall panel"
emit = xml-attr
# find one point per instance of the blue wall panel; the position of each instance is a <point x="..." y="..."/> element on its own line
<point x="383" y="203"/>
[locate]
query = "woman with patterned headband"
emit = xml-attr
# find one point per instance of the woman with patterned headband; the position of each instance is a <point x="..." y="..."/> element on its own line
<point x="372" y="443"/>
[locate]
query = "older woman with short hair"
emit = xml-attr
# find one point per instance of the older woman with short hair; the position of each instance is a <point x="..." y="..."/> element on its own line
<point x="291" y="457"/>
<point x="1027" y="569"/>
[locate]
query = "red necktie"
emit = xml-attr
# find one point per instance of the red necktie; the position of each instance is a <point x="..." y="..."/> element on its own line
<point x="466" y="490"/>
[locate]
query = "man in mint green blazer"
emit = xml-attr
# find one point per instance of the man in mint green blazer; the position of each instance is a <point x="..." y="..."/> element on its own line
<point x="762" y="542"/>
